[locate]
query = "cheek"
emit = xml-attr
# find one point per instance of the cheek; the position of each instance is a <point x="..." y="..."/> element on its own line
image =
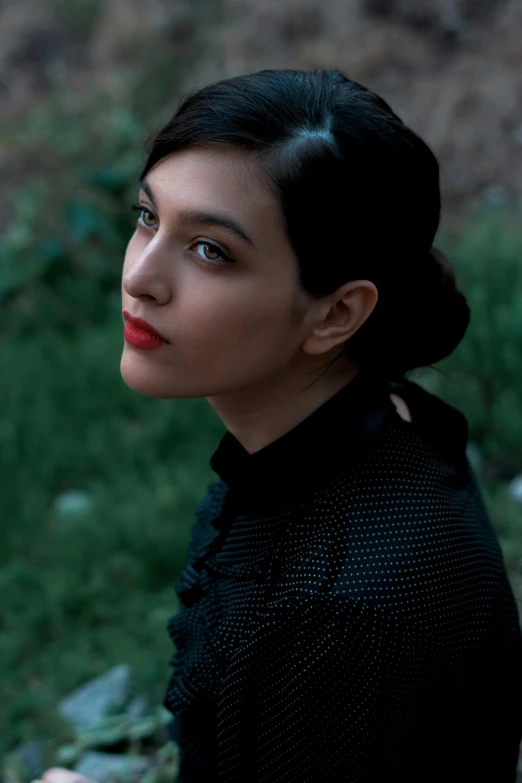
<point x="238" y="323"/>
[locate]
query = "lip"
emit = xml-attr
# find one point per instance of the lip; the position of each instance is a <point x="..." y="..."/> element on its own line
<point x="139" y="322"/>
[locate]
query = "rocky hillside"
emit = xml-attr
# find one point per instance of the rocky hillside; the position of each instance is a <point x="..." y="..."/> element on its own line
<point x="451" y="68"/>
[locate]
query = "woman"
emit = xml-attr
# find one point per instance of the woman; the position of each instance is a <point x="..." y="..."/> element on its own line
<point x="345" y="609"/>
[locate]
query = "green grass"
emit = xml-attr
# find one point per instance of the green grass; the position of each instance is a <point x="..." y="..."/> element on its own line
<point x="82" y="592"/>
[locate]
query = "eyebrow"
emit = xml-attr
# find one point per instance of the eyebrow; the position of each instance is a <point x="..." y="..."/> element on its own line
<point x="206" y="218"/>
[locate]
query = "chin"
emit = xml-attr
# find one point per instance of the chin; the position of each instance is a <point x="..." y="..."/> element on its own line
<point x="140" y="378"/>
<point x="144" y="387"/>
<point x="154" y="382"/>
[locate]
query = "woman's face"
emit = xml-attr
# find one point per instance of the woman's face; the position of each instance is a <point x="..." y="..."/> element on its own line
<point x="228" y="322"/>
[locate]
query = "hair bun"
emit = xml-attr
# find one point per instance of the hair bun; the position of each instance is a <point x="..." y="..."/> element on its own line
<point x="418" y="322"/>
<point x="441" y="319"/>
<point x="444" y="264"/>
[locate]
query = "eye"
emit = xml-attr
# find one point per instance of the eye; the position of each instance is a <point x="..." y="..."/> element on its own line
<point x="220" y="257"/>
<point x="143" y="211"/>
<point x="216" y="250"/>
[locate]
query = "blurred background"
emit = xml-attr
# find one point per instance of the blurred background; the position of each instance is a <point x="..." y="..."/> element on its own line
<point x="98" y="485"/>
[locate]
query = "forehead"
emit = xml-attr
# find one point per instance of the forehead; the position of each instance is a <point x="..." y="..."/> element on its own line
<point x="208" y="177"/>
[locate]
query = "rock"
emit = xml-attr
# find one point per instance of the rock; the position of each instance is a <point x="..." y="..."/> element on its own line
<point x="98" y="698"/>
<point x="73" y="502"/>
<point x="515" y="489"/>
<point x="474" y="454"/>
<point x="109" y="767"/>
<point x="138" y="707"/>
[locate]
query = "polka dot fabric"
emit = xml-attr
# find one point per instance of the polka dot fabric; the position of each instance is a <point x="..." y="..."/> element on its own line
<point x="345" y="610"/>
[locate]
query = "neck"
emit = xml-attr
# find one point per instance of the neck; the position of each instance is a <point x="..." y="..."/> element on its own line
<point x="258" y="416"/>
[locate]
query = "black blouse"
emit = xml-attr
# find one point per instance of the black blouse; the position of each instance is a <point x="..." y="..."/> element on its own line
<point x="345" y="613"/>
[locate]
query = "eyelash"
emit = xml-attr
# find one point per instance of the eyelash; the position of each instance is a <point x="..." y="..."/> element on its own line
<point x="226" y="259"/>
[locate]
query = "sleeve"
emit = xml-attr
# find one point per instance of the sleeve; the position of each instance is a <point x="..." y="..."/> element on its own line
<point x="327" y="689"/>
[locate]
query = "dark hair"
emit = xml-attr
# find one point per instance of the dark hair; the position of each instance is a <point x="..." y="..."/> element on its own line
<point x="359" y="198"/>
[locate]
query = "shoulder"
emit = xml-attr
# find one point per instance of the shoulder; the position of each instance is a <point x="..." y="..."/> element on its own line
<point x="397" y="531"/>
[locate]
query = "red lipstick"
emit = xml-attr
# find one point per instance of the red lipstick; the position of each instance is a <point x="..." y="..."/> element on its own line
<point x="141" y="334"/>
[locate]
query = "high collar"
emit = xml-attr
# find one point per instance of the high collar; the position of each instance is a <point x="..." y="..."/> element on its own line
<point x="315" y="449"/>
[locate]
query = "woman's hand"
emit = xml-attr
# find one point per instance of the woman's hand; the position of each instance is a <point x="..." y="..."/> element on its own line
<point x="61" y="775"/>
